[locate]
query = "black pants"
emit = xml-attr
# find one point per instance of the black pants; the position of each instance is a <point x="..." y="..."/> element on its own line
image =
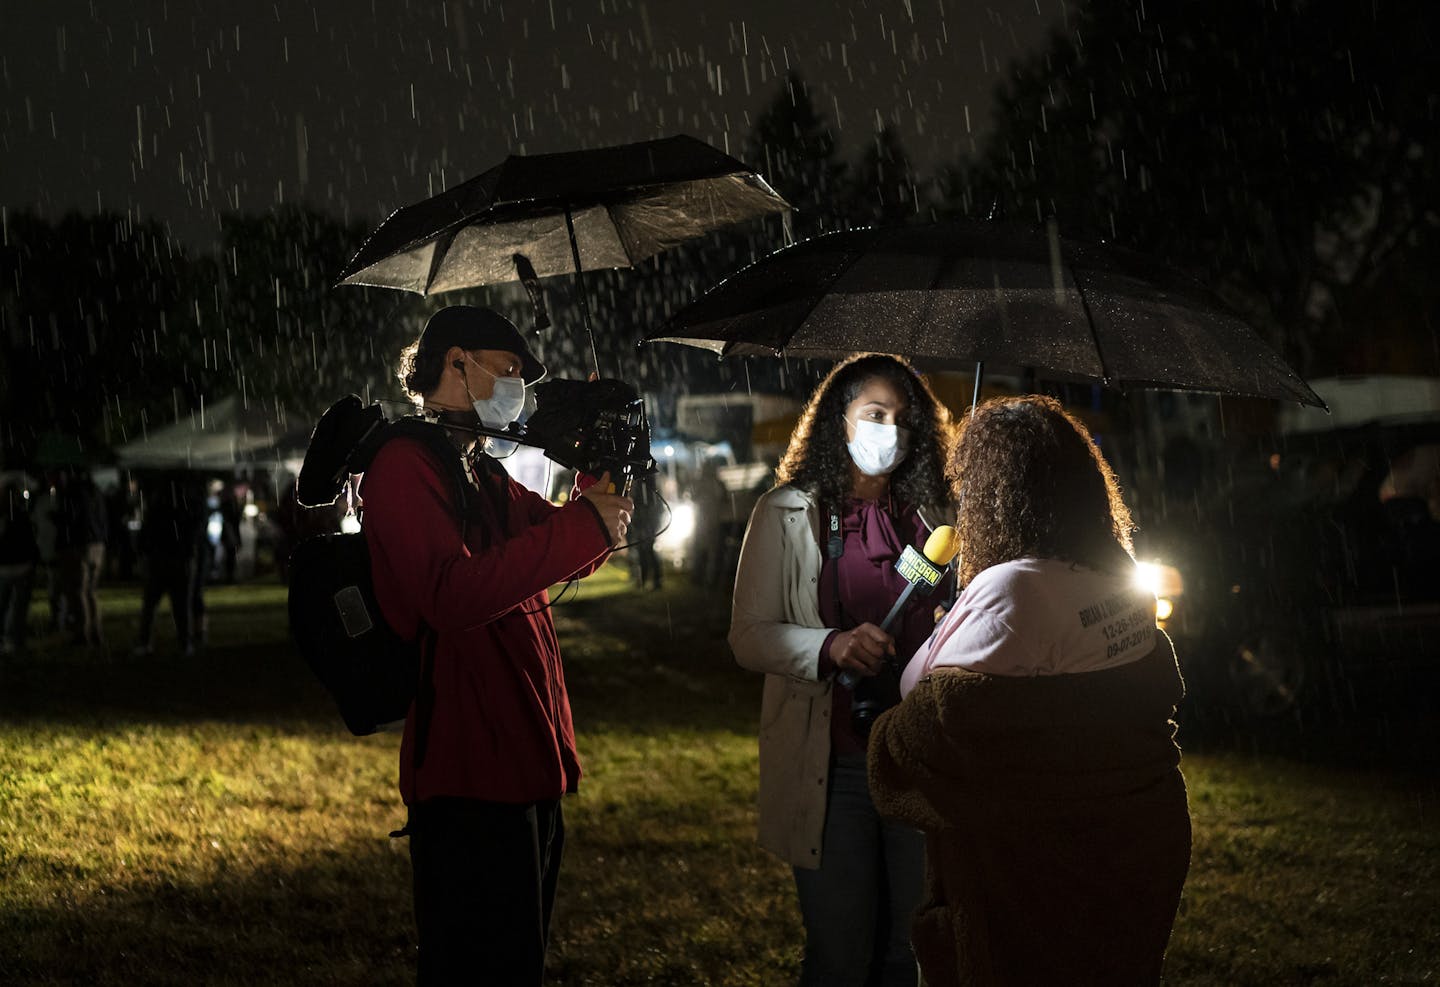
<point x="485" y="876"/>
<point x="172" y="576"/>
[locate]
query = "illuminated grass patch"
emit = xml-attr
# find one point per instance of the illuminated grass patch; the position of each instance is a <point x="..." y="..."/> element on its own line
<point x="209" y="821"/>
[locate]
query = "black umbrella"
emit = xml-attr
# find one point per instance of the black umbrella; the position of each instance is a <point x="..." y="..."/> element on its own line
<point x="545" y="214"/>
<point x="970" y="293"/>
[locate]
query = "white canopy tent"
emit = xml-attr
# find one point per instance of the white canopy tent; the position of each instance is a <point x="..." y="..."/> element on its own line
<point x="218" y="437"/>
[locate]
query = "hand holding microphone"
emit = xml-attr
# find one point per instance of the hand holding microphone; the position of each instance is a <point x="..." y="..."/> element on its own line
<point x="860" y="651"/>
<point x="863" y="650"/>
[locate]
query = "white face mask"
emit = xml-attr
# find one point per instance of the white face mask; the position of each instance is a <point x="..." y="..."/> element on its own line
<point x="500" y="448"/>
<point x="877" y="448"/>
<point x="506" y="400"/>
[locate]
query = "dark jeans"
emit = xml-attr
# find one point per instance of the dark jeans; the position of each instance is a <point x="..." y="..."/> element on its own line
<point x="173" y="577"/>
<point x="858" y="906"/>
<point x="15" y="584"/>
<point x="204" y="562"/>
<point x="485" y="876"/>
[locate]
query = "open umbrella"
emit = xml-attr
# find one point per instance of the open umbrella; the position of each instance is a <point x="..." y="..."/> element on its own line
<point x="545" y="214"/>
<point x="969" y="293"/>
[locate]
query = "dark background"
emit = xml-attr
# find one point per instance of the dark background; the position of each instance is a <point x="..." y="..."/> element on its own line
<point x="181" y="111"/>
<point x="181" y="183"/>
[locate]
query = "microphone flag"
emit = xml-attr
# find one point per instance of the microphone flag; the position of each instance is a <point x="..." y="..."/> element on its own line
<point x="919" y="570"/>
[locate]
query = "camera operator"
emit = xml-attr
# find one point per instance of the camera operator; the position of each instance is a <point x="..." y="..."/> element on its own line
<point x="862" y="479"/>
<point x="489" y="747"/>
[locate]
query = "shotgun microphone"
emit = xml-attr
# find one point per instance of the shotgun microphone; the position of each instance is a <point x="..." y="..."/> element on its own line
<point x="918" y="570"/>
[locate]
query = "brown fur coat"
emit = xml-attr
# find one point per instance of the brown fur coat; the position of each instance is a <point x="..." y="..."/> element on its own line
<point x="1058" y="834"/>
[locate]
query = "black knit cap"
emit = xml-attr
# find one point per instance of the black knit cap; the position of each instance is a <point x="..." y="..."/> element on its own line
<point x="472" y="328"/>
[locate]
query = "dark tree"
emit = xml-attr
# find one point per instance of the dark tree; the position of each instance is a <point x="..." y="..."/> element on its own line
<point x="884" y="189"/>
<point x="291" y="340"/>
<point x="793" y="146"/>
<point x="1284" y="149"/>
<point x="98" y="337"/>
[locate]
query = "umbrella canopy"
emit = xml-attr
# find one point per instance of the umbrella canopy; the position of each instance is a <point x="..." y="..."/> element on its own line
<point x="623" y="203"/>
<point x="975" y="293"/>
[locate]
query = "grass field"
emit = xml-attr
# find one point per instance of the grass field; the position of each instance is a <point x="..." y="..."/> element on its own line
<point x="165" y="821"/>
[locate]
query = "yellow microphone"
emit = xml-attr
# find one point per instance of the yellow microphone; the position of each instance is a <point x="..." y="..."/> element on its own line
<point x="918" y="570"/>
<point x="942" y="545"/>
<point x="923" y="570"/>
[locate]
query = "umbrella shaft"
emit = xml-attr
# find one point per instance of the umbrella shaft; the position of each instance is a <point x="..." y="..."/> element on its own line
<point x="580" y="287"/>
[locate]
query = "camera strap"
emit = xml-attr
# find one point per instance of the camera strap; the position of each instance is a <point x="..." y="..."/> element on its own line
<point x="834" y="550"/>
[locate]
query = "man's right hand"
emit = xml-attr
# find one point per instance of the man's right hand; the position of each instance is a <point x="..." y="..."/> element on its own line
<point x="614" y="509"/>
<point x="862" y="649"/>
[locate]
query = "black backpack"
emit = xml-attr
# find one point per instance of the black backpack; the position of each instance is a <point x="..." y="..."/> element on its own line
<point x="372" y="672"/>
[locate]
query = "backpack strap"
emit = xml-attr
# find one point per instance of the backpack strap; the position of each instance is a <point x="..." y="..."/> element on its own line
<point x="433" y="437"/>
<point x="437" y="440"/>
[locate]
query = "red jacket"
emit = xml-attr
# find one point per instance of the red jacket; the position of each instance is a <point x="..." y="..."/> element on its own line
<point x="500" y="728"/>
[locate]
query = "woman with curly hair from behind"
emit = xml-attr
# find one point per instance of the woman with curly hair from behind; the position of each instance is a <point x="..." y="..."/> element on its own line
<point x="1035" y="745"/>
<point x="863" y="477"/>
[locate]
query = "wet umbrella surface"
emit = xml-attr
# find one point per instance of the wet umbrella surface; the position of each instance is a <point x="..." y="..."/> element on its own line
<point x="971" y="293"/>
<point x="575" y="211"/>
<point x="623" y="203"/>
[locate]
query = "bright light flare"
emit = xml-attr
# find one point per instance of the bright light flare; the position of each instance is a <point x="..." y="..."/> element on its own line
<point x="676" y="538"/>
<point x="1164" y="583"/>
<point x="1159" y="579"/>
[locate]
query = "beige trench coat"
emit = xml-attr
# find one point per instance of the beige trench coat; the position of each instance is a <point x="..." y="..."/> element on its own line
<point x="775" y="628"/>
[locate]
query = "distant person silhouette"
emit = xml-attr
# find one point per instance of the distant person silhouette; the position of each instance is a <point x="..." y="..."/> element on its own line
<point x="172" y="529"/>
<point x="80" y="533"/>
<point x="19" y="555"/>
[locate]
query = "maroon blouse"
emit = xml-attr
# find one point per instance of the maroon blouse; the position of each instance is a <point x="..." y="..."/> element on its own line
<point x="862" y="585"/>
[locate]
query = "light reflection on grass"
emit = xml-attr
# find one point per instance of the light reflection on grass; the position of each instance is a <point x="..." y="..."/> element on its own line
<point x="172" y="821"/>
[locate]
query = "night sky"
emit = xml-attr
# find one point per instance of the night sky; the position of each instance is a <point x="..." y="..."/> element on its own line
<point x="178" y="111"/>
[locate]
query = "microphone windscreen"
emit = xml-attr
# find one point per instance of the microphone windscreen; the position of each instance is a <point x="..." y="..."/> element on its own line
<point x="942" y="545"/>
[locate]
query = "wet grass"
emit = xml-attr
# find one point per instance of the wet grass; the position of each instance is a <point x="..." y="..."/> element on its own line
<point x="208" y="821"/>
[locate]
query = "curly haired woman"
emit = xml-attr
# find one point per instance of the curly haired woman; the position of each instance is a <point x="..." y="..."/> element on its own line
<point x="863" y="477"/>
<point x="1035" y="745"/>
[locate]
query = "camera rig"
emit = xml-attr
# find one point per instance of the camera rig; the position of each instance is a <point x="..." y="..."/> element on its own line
<point x="594" y="426"/>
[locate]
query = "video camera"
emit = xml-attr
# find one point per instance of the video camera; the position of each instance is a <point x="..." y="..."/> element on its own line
<point x="593" y="426"/>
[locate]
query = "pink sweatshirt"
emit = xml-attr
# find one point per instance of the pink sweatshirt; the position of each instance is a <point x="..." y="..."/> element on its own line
<point x="1039" y="617"/>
